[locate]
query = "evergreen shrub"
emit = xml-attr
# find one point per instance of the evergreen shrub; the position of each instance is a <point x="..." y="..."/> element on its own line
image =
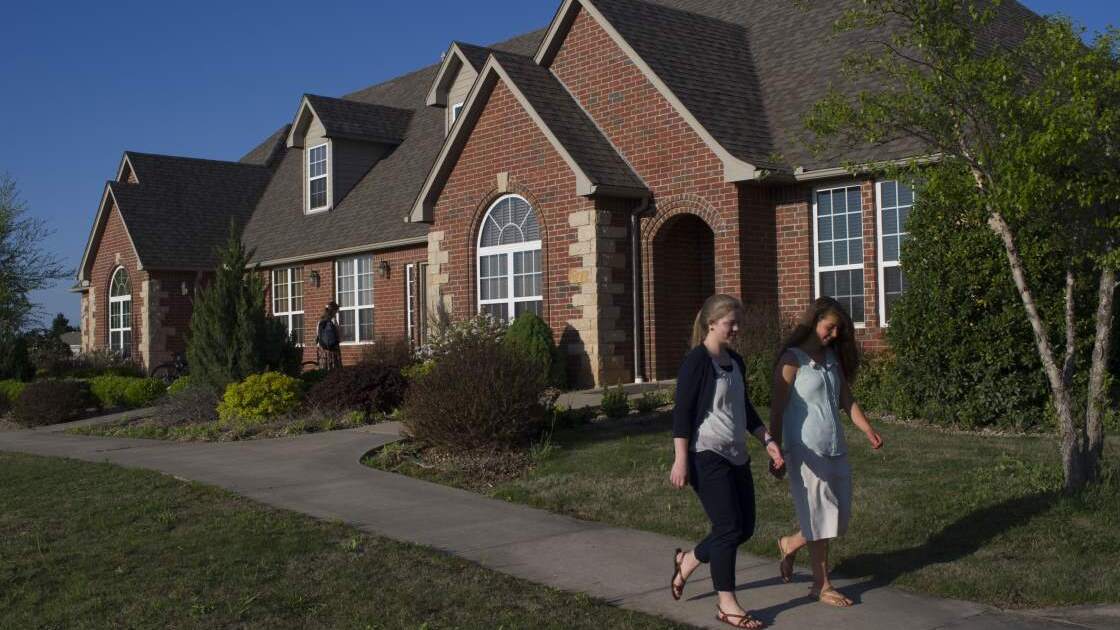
<point x="259" y="398"/>
<point x="478" y="395"/>
<point x="50" y="402"/>
<point x="15" y="363"/>
<point x="531" y="336"/>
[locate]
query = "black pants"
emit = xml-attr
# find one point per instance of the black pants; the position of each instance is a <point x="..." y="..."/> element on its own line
<point x="727" y="493"/>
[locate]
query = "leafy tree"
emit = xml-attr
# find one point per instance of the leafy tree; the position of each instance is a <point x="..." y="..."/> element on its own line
<point x="24" y="267"/>
<point x="60" y="325"/>
<point x="1027" y="138"/>
<point x="231" y="334"/>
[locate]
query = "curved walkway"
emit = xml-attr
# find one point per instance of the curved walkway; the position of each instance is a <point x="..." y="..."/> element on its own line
<point x="320" y="475"/>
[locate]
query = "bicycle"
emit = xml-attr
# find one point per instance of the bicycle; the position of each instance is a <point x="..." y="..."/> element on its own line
<point x="172" y="370"/>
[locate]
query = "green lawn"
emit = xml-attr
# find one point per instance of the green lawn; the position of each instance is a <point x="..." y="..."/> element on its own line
<point x="154" y="429"/>
<point x="956" y="515"/>
<point x="93" y="546"/>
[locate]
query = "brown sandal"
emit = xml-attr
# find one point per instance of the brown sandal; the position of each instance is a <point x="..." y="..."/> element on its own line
<point x="831" y="597"/>
<point x="743" y="621"/>
<point x="785" y="570"/>
<point x="677" y="591"/>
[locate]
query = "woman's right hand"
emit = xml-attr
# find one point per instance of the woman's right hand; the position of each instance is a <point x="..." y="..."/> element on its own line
<point x="678" y="476"/>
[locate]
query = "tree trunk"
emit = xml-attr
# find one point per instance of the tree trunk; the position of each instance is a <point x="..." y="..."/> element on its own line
<point x="1094" y="412"/>
<point x="1072" y="444"/>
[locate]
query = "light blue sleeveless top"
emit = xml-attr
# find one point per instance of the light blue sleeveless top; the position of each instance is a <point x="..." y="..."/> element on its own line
<point x="812" y="415"/>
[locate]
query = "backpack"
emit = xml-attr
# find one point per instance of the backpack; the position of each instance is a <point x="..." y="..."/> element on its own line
<point x="328" y="334"/>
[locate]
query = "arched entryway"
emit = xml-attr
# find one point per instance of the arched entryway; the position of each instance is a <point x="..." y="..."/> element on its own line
<point x="683" y="266"/>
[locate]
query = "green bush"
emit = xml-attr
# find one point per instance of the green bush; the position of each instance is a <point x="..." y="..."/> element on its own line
<point x="567" y="418"/>
<point x="142" y="392"/>
<point x="50" y="402"/>
<point x="259" y="398"/>
<point x="180" y="384"/>
<point x="531" y="336"/>
<point x="9" y="391"/>
<point x="877" y="386"/>
<point x="615" y="404"/>
<point x="478" y="395"/>
<point x="652" y="399"/>
<point x="416" y="370"/>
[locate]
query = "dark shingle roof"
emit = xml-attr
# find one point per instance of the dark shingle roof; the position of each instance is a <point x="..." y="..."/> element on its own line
<point x="476" y="55"/>
<point x="266" y="152"/>
<point x="180" y="210"/>
<point x="355" y="120"/>
<point x="569" y="123"/>
<point x="373" y="212"/>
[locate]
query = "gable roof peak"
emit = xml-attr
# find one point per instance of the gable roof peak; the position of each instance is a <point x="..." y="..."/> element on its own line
<point x="350" y="120"/>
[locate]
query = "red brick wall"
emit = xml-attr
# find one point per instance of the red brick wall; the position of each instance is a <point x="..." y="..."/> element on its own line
<point x="388" y="299"/>
<point x="113" y="249"/>
<point x="682" y="172"/>
<point x="506" y="140"/>
<point x="171" y="317"/>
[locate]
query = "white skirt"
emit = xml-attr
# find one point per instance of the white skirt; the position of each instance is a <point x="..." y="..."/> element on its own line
<point x="822" y="492"/>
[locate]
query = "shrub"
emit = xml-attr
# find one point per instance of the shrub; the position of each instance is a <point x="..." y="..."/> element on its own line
<point x="652" y="399"/>
<point x="109" y="391"/>
<point x="478" y="395"/>
<point x="396" y="353"/>
<point x="48" y="353"/>
<point x="531" y="336"/>
<point x="259" y="398"/>
<point x="877" y="387"/>
<point x="567" y="418"/>
<point x="483" y="328"/>
<point x="100" y="363"/>
<point x="50" y="402"/>
<point x="141" y="392"/>
<point x="370" y="388"/>
<point x="15" y="364"/>
<point x="190" y="405"/>
<point x="9" y="391"/>
<point x="416" y="370"/>
<point x="615" y="404"/>
<point x="180" y="384"/>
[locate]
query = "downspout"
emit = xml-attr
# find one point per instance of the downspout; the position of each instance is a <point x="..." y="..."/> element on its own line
<point x="636" y="281"/>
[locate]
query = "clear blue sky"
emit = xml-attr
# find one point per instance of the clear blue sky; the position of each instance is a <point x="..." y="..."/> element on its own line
<point x="82" y="82"/>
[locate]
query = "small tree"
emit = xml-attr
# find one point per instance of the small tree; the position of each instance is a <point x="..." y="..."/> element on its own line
<point x="231" y="334"/>
<point x="60" y="325"/>
<point x="1027" y="135"/>
<point x="24" y="267"/>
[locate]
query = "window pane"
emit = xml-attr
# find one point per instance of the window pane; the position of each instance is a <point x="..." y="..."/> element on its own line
<point x="890" y="194"/>
<point x="824" y="251"/>
<point x="840" y="253"/>
<point x="365" y="324"/>
<point x="855" y="251"/>
<point x="296" y="330"/>
<point x="890" y="221"/>
<point x="126" y="343"/>
<point x="828" y="283"/>
<point x="319" y="192"/>
<point x="905" y="195"/>
<point x="855" y="227"/>
<point x="824" y="228"/>
<point x="346" y="326"/>
<point x="530" y="307"/>
<point x="497" y="310"/>
<point x="840" y="226"/>
<point x="890" y="248"/>
<point x="824" y="204"/>
<point x="855" y="203"/>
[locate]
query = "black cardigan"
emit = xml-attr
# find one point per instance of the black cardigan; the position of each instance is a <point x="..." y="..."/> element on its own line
<point x="696" y="390"/>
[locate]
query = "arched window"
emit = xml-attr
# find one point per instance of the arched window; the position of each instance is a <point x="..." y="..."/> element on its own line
<point x="120" y="313"/>
<point x="509" y="260"/>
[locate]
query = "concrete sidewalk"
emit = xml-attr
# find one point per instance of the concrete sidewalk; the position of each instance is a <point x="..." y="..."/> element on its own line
<point x="320" y="475"/>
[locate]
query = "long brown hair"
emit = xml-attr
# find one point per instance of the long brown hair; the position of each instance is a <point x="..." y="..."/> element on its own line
<point x="714" y="309"/>
<point x="845" y="342"/>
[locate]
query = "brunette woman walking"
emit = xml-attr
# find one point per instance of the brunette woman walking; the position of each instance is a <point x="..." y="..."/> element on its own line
<point x="711" y="420"/>
<point x="812" y="383"/>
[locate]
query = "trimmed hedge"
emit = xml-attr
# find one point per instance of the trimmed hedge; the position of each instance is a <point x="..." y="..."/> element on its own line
<point x="259" y="398"/>
<point x="126" y="391"/>
<point x="531" y="336"/>
<point x="50" y="402"/>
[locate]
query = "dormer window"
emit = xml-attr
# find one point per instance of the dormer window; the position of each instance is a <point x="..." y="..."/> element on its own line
<point x="318" y="198"/>
<point x="455" y="109"/>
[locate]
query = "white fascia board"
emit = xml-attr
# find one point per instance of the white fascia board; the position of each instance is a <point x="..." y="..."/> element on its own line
<point x="305" y="109"/>
<point x="126" y="162"/>
<point x="734" y="169"/>
<point x="453" y="60"/>
<point x="802" y="175"/>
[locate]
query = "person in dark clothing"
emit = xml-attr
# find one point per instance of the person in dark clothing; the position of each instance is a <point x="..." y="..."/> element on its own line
<point x="328" y="353"/>
<point x="711" y="419"/>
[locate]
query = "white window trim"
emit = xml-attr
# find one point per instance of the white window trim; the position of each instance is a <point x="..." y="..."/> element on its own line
<point x="817" y="270"/>
<point x="883" y="323"/>
<point x="509" y="250"/>
<point x="307" y="179"/>
<point x="456" y="111"/>
<point x="357" y="309"/>
<point x="409" y="296"/>
<point x="120" y="299"/>
<point x="288" y="312"/>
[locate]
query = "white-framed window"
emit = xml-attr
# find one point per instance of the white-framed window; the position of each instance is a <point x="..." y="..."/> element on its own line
<point x="409" y="302"/>
<point x="318" y="190"/>
<point x="456" y="109"/>
<point x="895" y="200"/>
<point x="287" y="300"/>
<point x="838" y="246"/>
<point x="354" y="294"/>
<point x="120" y="313"/>
<point x="510" y="273"/>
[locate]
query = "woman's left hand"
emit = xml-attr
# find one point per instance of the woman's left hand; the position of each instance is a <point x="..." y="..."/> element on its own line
<point x="875" y="439"/>
<point x="775" y="454"/>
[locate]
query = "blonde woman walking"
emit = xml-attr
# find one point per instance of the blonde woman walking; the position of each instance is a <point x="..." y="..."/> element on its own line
<point x="711" y="420"/>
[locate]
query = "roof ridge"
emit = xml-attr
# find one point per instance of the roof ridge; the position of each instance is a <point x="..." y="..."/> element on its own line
<point x="193" y="159"/>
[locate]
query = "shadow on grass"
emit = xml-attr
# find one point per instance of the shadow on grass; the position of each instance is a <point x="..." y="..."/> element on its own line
<point x="607" y="430"/>
<point x="957" y="540"/>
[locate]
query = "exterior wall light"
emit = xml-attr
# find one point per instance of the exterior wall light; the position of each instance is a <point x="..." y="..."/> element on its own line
<point x="313" y="277"/>
<point x="383" y="268"/>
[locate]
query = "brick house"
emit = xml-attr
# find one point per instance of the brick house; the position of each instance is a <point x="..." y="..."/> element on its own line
<point x="607" y="173"/>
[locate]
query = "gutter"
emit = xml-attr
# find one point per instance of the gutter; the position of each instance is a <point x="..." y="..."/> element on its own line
<point x="416" y="240"/>
<point x="636" y="281"/>
<point x="802" y="175"/>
